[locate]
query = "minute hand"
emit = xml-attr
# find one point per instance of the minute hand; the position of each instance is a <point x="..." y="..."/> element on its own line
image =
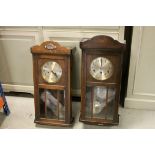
<point x="101" y="62"/>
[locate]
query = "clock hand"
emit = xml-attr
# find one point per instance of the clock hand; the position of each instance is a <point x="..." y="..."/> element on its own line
<point x="54" y="73"/>
<point x="101" y="62"/>
<point x="53" y="65"/>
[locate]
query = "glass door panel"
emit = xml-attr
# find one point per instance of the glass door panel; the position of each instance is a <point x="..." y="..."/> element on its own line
<point x="111" y="104"/>
<point x="52" y="104"/>
<point x="100" y="102"/>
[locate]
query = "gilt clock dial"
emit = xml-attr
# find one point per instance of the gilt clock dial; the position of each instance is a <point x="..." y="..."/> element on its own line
<point x="51" y="71"/>
<point x="101" y="68"/>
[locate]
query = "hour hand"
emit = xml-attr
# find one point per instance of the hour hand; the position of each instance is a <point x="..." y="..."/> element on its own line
<point x="54" y="73"/>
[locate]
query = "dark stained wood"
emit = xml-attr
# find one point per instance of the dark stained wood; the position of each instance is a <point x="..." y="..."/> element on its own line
<point x="100" y="42"/>
<point x="126" y="62"/>
<point x="52" y="51"/>
<point x="92" y="98"/>
<point x="97" y="121"/>
<point x="101" y="46"/>
<point x="54" y="87"/>
<point x="83" y="86"/>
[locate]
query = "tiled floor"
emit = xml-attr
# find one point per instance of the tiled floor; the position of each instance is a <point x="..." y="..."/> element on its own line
<point x="22" y="116"/>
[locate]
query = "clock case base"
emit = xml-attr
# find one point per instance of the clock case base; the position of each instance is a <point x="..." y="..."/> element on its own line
<point x="100" y="123"/>
<point x="50" y="122"/>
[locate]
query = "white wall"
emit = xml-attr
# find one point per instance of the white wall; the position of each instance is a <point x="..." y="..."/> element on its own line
<point x="141" y="83"/>
<point x="16" y="59"/>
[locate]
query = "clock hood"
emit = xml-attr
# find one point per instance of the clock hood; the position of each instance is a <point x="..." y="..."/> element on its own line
<point x="101" y="42"/>
<point x="50" y="47"/>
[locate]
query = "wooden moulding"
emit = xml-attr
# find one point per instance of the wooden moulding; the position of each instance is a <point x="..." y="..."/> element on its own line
<point x="52" y="122"/>
<point x="100" y="122"/>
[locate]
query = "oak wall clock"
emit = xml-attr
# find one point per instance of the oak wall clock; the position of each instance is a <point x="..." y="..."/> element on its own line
<point x="52" y="84"/>
<point x="101" y="80"/>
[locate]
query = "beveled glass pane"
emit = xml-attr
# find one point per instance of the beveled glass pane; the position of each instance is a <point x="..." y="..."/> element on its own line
<point x="52" y="104"/>
<point x="61" y="105"/>
<point x="111" y="103"/>
<point x="103" y="103"/>
<point x="99" y="102"/>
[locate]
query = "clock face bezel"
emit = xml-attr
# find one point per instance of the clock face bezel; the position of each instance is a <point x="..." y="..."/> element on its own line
<point x="104" y="68"/>
<point x="52" y="73"/>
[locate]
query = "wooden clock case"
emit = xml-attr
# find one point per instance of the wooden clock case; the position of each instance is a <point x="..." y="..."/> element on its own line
<point x="107" y="47"/>
<point x="60" y="91"/>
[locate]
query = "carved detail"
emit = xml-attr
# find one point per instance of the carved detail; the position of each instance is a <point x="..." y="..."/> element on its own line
<point x="50" y="47"/>
<point x="101" y="41"/>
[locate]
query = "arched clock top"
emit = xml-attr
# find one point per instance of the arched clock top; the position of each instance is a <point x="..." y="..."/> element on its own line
<point x="101" y="42"/>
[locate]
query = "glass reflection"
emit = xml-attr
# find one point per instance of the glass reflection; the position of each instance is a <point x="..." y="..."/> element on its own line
<point x="53" y="101"/>
<point x="100" y="96"/>
<point x="100" y="102"/>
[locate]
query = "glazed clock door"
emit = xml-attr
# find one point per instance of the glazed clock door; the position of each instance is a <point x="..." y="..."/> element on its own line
<point x="52" y="88"/>
<point x="100" y="102"/>
<point x="52" y="104"/>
